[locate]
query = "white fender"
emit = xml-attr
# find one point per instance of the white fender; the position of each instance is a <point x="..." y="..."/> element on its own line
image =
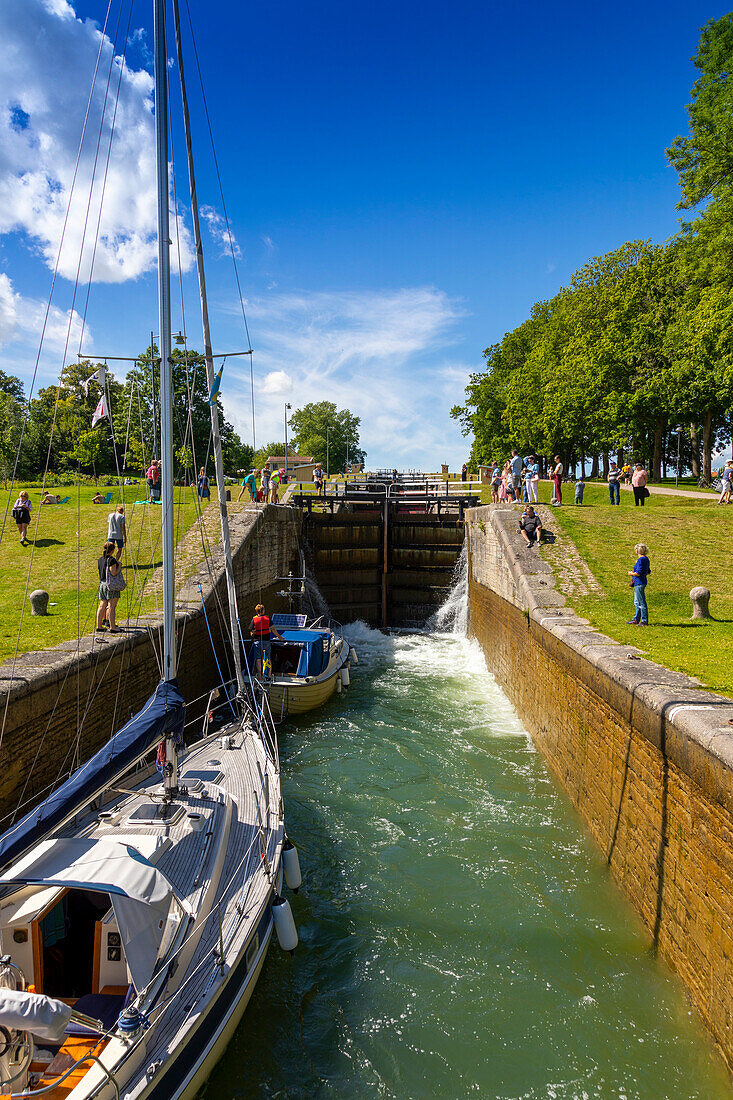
<point x="287" y="933"/>
<point x="338" y="684"/>
<point x="353" y="656"/>
<point x="291" y="866"/>
<point x="345" y="675"/>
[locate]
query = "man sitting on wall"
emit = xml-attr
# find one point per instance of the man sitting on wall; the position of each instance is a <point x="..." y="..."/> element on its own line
<point x="530" y="526"/>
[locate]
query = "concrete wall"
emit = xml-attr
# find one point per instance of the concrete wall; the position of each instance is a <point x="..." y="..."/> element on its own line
<point x="63" y="703"/>
<point x="645" y="755"/>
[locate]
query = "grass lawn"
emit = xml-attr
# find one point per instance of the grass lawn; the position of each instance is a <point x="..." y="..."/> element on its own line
<point x="62" y="559"/>
<point x="690" y="543"/>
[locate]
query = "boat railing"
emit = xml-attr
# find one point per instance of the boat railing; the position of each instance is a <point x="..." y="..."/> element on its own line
<point x="59" y="1080"/>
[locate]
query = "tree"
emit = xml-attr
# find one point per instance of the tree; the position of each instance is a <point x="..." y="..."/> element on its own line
<point x="327" y="433"/>
<point x="12" y="385"/>
<point x="11" y="426"/>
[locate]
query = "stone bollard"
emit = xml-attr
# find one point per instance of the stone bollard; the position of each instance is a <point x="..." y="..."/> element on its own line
<point x="700" y="598"/>
<point x="39" y="602"/>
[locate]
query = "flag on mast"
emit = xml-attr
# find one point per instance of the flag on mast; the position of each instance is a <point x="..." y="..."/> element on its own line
<point x="100" y="412"/>
<point x="216" y="385"/>
<point x="96" y="376"/>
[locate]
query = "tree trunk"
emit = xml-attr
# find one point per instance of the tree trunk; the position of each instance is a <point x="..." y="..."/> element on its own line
<point x="582" y="465"/>
<point x="606" y="465"/>
<point x="657" y="456"/>
<point x="707" y="445"/>
<point x="695" y="442"/>
<point x="620" y="458"/>
<point x="594" y="467"/>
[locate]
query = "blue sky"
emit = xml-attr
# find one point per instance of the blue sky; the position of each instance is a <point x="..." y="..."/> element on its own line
<point x="404" y="180"/>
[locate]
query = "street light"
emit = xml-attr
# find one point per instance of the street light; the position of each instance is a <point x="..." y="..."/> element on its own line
<point x="287" y="410"/>
<point x="678" y="433"/>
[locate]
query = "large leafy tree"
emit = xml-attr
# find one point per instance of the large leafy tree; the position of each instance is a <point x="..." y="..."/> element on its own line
<point x="328" y="433"/>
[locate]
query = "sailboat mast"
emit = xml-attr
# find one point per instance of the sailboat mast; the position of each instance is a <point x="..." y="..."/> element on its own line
<point x="215" y="429"/>
<point x="164" y="337"/>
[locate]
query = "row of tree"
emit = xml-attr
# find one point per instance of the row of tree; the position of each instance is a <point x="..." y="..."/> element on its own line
<point x="640" y="343"/>
<point x="54" y="429"/>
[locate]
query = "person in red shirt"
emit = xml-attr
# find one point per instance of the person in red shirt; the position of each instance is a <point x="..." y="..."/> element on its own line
<point x="262" y="632"/>
<point x="153" y="479"/>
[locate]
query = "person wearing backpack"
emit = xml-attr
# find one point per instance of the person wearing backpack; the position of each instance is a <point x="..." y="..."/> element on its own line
<point x="22" y="516"/>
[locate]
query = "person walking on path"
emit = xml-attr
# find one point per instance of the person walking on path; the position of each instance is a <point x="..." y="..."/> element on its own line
<point x="202" y="485"/>
<point x="117" y="529"/>
<point x="639" y="574"/>
<point x="614" y="484"/>
<point x="261" y="631"/>
<point x="152" y="476"/>
<point x="22" y="516"/>
<point x="638" y="481"/>
<point x="111" y="585"/>
<point x="250" y="483"/>
<point x="530" y="526"/>
<point x="727" y="479"/>
<point x="556" y="476"/>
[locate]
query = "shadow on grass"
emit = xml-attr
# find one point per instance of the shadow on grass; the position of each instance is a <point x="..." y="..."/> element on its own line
<point x="48" y="542"/>
<point x="693" y="626"/>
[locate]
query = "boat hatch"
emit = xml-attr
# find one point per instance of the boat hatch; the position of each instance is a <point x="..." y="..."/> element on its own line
<point x="203" y="775"/>
<point x="141" y="897"/>
<point x="156" y="813"/>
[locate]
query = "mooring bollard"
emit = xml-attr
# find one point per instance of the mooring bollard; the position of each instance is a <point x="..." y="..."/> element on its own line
<point x="700" y="598"/>
<point x="39" y="602"/>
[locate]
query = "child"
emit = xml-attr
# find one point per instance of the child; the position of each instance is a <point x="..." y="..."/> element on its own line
<point x="639" y="575"/>
<point x="579" y="490"/>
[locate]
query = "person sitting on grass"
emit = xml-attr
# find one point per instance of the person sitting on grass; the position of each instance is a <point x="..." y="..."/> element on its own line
<point x="49" y="498"/>
<point x="530" y="526"/>
<point x="98" y="499"/>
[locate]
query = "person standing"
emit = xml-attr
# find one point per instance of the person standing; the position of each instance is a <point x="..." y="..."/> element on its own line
<point x="579" y="490"/>
<point x="261" y="631"/>
<point x="202" y="485"/>
<point x="556" y="476"/>
<point x="22" y="516"/>
<point x="464" y="472"/>
<point x="111" y="586"/>
<point x="265" y="483"/>
<point x="727" y="483"/>
<point x="614" y="487"/>
<point x="117" y="529"/>
<point x="495" y="482"/>
<point x="275" y="479"/>
<point x="639" y="574"/>
<point x="516" y="473"/>
<point x="638" y="481"/>
<point x="534" y="479"/>
<point x="318" y="479"/>
<point x="152" y="476"/>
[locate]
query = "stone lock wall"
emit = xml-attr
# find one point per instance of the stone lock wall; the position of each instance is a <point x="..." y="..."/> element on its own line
<point x="645" y="755"/>
<point x="60" y="705"/>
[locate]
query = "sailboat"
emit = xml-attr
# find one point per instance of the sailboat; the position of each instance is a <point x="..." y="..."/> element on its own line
<point x="138" y="900"/>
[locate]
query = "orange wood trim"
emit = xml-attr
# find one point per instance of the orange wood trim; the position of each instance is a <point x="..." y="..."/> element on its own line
<point x="97" y="958"/>
<point x="37" y="949"/>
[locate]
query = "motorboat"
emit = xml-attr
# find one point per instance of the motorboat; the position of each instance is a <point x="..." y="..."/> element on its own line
<point x="311" y="663"/>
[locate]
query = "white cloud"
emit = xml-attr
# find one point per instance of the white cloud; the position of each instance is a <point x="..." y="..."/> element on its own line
<point x="220" y="233"/>
<point x="21" y="323"/>
<point x="47" y="56"/>
<point x="382" y="354"/>
<point x="278" y="381"/>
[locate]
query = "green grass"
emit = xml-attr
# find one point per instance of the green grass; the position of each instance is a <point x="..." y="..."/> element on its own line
<point x="690" y="542"/>
<point x="63" y="560"/>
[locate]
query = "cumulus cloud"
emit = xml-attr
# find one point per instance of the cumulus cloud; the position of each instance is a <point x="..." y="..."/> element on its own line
<point x="382" y="354"/>
<point x="47" y="57"/>
<point x="278" y="381"/>
<point x="22" y="321"/>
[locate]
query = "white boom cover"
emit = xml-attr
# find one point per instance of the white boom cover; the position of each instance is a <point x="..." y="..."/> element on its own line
<point x="140" y="894"/>
<point x="44" y="1017"/>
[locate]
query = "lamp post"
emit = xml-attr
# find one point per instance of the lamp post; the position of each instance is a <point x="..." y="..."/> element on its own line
<point x="678" y="433"/>
<point x="287" y="410"/>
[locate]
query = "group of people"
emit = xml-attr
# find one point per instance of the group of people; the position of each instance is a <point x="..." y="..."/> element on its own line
<point x="638" y="478"/>
<point x="270" y="483"/>
<point x="518" y="480"/>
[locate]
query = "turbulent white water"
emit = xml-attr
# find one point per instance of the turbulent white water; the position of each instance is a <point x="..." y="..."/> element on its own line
<point x="452" y="617"/>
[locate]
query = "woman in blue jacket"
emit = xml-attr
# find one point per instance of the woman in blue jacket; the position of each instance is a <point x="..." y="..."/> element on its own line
<point x="639" y="575"/>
